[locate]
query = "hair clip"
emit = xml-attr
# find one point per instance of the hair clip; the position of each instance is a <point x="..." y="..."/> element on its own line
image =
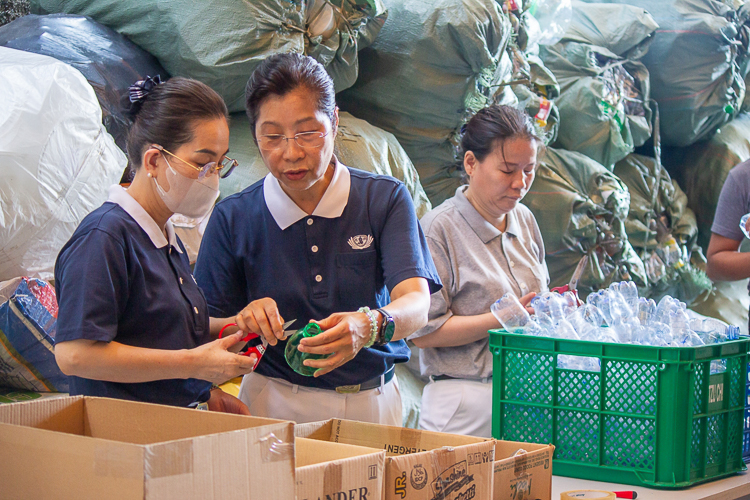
<point x="463" y="128"/>
<point x="140" y="89"/>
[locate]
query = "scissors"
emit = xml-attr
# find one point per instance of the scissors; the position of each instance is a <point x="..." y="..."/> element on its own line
<point x="572" y="286"/>
<point x="256" y="344"/>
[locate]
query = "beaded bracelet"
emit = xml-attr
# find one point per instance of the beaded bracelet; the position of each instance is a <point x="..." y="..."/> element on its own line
<point x="373" y="325"/>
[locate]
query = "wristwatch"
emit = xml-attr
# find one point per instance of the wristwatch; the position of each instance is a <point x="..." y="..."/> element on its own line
<point x="387" y="328"/>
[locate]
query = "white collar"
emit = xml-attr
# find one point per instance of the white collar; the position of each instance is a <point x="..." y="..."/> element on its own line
<point x="120" y="196"/>
<point x="285" y="212"/>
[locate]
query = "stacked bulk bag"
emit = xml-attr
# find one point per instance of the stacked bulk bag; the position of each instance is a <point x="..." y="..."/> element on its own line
<point x="221" y="42"/>
<point x="698" y="61"/>
<point x="581" y="208"/>
<point x="433" y="65"/>
<point x="663" y="231"/>
<point x="702" y="168"/>
<point x="604" y="89"/>
<point x="533" y="84"/>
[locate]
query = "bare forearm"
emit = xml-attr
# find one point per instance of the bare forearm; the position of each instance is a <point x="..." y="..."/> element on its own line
<point x="728" y="266"/>
<point x="459" y="330"/>
<point x="116" y="362"/>
<point x="409" y="306"/>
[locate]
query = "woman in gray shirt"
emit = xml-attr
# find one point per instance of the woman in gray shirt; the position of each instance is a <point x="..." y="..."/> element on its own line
<point x="484" y="244"/>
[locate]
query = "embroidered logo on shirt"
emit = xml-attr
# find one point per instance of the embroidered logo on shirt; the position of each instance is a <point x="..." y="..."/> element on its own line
<point x="360" y="242"/>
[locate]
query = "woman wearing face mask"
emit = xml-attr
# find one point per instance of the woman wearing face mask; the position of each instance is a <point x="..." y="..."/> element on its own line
<point x="316" y="240"/>
<point x="132" y="322"/>
<point x="485" y="244"/>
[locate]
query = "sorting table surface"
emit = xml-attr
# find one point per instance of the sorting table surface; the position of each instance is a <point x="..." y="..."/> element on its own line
<point x="730" y="488"/>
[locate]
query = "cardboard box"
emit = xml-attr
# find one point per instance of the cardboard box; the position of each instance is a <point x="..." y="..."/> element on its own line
<point x="420" y="465"/>
<point x="523" y="477"/>
<point x="85" y="447"/>
<point x="335" y="471"/>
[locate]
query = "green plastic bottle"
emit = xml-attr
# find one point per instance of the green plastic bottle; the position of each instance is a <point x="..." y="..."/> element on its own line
<point x="294" y="358"/>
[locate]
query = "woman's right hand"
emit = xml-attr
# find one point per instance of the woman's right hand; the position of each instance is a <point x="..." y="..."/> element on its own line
<point x="262" y="317"/>
<point x="216" y="364"/>
<point x="526" y="300"/>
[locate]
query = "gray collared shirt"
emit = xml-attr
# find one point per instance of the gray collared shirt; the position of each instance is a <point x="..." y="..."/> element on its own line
<point x="477" y="264"/>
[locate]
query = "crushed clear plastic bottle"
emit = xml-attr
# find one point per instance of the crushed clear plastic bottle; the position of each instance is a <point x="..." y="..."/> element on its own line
<point x="743" y="225"/>
<point x="615" y="314"/>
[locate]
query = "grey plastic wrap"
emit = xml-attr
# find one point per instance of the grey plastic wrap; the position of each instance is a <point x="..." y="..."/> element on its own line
<point x="56" y="160"/>
<point x="221" y="42"/>
<point x="434" y="64"/>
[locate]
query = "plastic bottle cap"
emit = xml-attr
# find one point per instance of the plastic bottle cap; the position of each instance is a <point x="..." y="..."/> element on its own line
<point x="729" y="109"/>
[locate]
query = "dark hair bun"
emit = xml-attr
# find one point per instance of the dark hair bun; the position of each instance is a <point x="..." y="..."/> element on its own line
<point x="137" y="94"/>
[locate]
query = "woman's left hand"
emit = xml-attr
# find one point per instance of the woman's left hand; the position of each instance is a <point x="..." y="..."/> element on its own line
<point x="344" y="335"/>
<point x="226" y="403"/>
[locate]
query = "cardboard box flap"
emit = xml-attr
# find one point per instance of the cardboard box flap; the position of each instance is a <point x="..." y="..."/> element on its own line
<point x="394" y="440"/>
<point x="56" y="414"/>
<point x="505" y="449"/>
<point x="312" y="451"/>
<point x="144" y="423"/>
<point x="327" y="470"/>
<point x="528" y="474"/>
<point x="221" y="466"/>
<point x="321" y="431"/>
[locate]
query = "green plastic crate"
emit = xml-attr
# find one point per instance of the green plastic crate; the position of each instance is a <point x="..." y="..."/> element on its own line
<point x="652" y="416"/>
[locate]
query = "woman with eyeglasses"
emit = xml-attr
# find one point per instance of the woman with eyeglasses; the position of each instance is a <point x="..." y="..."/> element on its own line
<point x="318" y="241"/>
<point x="132" y="322"/>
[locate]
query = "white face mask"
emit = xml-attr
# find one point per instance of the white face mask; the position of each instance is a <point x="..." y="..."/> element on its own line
<point x="189" y="197"/>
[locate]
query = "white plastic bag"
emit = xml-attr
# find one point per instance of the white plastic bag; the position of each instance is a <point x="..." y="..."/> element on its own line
<point x="56" y="160"/>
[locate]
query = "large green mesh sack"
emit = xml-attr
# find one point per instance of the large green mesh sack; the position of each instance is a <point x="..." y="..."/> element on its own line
<point x="702" y="168"/>
<point x="604" y="89"/>
<point x="221" y="42"/>
<point x="581" y="208"/>
<point x="658" y="219"/>
<point x="434" y="64"/>
<point x="358" y="145"/>
<point x="695" y="63"/>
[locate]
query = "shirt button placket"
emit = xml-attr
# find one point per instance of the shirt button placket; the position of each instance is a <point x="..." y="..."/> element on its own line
<point x="315" y="258"/>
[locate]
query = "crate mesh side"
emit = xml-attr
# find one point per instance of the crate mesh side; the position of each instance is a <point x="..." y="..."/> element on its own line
<point x="630" y="388"/>
<point x="734" y="435"/>
<point x="527" y="423"/>
<point x="697" y="444"/>
<point x="629" y="442"/>
<point x="700" y="380"/>
<point x="736" y="382"/>
<point x="578" y="389"/>
<point x="715" y="439"/>
<point x="528" y="377"/>
<point x="577" y="436"/>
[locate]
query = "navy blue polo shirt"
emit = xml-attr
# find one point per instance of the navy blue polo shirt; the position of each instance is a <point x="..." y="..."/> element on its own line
<point x="361" y="241"/>
<point x="119" y="279"/>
